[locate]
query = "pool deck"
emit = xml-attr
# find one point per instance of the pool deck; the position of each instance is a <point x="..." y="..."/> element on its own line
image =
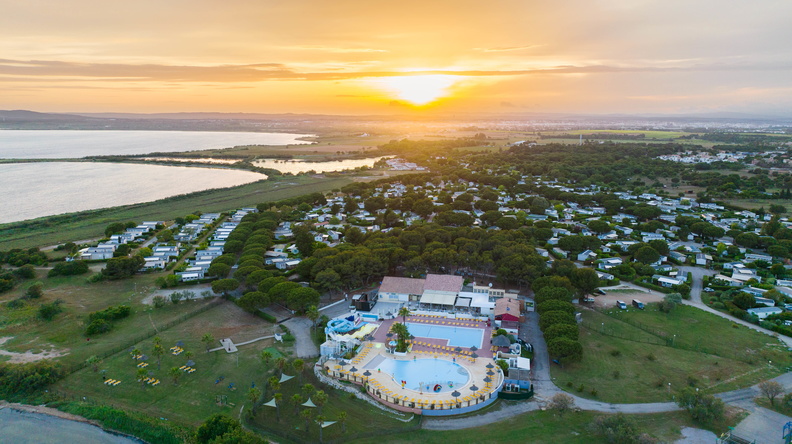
<point x="390" y="392"/>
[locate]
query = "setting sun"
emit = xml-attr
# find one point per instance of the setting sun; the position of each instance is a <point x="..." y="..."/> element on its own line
<point x="419" y="89"/>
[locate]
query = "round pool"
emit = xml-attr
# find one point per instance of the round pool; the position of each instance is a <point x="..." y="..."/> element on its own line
<point x="428" y="375"/>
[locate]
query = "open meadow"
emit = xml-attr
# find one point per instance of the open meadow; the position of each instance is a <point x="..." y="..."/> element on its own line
<point x="632" y="355"/>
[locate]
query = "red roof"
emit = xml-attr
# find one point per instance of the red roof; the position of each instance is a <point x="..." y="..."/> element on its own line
<point x="402" y="285"/>
<point x="444" y="282"/>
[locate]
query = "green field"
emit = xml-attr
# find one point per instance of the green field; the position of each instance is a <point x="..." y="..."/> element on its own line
<point x="194" y="398"/>
<point x="546" y="427"/>
<point x="91" y="224"/>
<point x="627" y="364"/>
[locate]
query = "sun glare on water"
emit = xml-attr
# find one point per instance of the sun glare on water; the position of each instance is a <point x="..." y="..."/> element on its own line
<point x="419" y="89"/>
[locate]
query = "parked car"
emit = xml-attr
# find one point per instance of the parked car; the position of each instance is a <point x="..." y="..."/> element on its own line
<point x="638" y="304"/>
<point x="621" y="305"/>
<point x="599" y="292"/>
<point x="708" y="289"/>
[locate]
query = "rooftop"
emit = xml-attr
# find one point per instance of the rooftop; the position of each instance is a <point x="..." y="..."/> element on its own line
<point x="442" y="282"/>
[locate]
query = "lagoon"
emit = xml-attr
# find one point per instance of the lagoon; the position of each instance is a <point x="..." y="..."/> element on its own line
<point x="67" y="144"/>
<point x="32" y="190"/>
<point x="298" y="166"/>
<point x="24" y="427"/>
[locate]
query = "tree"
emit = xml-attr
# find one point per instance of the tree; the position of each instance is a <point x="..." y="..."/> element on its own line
<point x="220" y="270"/>
<point x="225" y="286"/>
<point x="94" y="362"/>
<point x="561" y="331"/>
<point x="175" y="374"/>
<point x="553" y="293"/>
<point x="771" y="389"/>
<point x="703" y="408"/>
<point x="216" y="426"/>
<point x="555" y="305"/>
<point x="320" y="422"/>
<point x="549" y="318"/>
<point x="599" y="226"/>
<point x="300" y="298"/>
<point x="122" y="267"/>
<point x="744" y="301"/>
<point x="403" y="334"/>
<point x="265" y="356"/>
<point x="404" y="312"/>
<point x="208" y="339"/>
<point x="296" y="399"/>
<point x="308" y="390"/>
<point x="306" y="414"/>
<point x="252" y="301"/>
<point x="158" y="351"/>
<point x="342" y="418"/>
<point x="142" y="374"/>
<point x="585" y="280"/>
<point x="280" y="364"/>
<point x="35" y="291"/>
<point x="304" y="240"/>
<point x="278" y="397"/>
<point x="619" y="428"/>
<point x="320" y="399"/>
<point x="646" y="255"/>
<point x="274" y="383"/>
<point x="312" y="313"/>
<point x="327" y="280"/>
<point x="561" y="403"/>
<point x="565" y="349"/>
<point x="254" y="394"/>
<point x="298" y="365"/>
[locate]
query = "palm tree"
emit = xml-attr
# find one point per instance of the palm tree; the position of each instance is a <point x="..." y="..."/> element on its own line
<point x="280" y="363"/>
<point x="158" y="351"/>
<point x="308" y="390"/>
<point x="253" y="395"/>
<point x="306" y="414"/>
<point x="278" y="396"/>
<point x="94" y="362"/>
<point x="401" y="330"/>
<point x="157" y="340"/>
<point x="208" y="339"/>
<point x="265" y="356"/>
<point x="142" y="374"/>
<point x="404" y="312"/>
<point x="320" y="398"/>
<point x="320" y="420"/>
<point x="342" y="418"/>
<point x="274" y="383"/>
<point x="175" y="373"/>
<point x="312" y="313"/>
<point x="188" y="355"/>
<point x="298" y="365"/>
<point x="136" y="352"/>
<point x="296" y="400"/>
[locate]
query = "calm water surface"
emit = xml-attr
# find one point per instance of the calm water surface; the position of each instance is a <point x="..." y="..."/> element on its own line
<point x="62" y="144"/>
<point x="29" y="428"/>
<point x="300" y="166"/>
<point x="31" y="190"/>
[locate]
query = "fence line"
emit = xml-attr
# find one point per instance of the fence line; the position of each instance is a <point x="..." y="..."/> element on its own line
<point x="152" y="332"/>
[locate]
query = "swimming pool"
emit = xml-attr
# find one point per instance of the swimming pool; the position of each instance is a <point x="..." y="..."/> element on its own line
<point x="425" y="374"/>
<point x="456" y="336"/>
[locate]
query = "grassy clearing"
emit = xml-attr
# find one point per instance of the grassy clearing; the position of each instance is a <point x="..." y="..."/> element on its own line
<point x="647" y="134"/>
<point x="755" y="204"/>
<point x="627" y="364"/>
<point x="544" y="427"/>
<point x="194" y="397"/>
<point x="91" y="224"/>
<point x="362" y="418"/>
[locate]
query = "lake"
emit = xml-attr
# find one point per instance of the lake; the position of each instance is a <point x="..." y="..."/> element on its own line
<point x="298" y="166"/>
<point x="62" y="144"/>
<point x="24" y="427"/>
<point x="39" y="189"/>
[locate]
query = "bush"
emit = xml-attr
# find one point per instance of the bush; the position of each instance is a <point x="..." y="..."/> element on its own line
<point x="561" y="331"/>
<point x="15" y="303"/>
<point x="98" y="326"/>
<point x="35" y="291"/>
<point x="72" y="268"/>
<point x="159" y="301"/>
<point x="555" y="305"/>
<point x="47" y="312"/>
<point x="22" y="379"/>
<point x="555" y="317"/>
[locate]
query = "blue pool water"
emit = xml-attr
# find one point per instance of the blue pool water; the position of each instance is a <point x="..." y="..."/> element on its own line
<point x="456" y="336"/>
<point x="429" y="372"/>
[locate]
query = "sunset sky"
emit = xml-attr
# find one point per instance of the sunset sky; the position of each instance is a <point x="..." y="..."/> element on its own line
<point x="384" y="57"/>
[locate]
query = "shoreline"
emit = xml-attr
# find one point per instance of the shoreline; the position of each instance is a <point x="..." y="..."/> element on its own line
<point x="50" y="411"/>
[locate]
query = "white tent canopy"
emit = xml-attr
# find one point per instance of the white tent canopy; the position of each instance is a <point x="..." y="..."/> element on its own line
<point x="308" y="403"/>
<point x="285" y="377"/>
<point x="328" y="423"/>
<point x="271" y="403"/>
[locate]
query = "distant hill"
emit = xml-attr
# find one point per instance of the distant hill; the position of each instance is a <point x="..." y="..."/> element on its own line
<point x="28" y="116"/>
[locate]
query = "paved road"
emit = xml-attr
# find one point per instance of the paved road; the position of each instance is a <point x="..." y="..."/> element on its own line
<point x="304" y="346"/>
<point x="762" y="425"/>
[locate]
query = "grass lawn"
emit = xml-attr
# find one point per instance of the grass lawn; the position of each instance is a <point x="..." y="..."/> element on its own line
<point x="543" y="427"/>
<point x="627" y="364"/>
<point x="91" y="224"/>
<point x="755" y="204"/>
<point x="193" y="399"/>
<point x="362" y="417"/>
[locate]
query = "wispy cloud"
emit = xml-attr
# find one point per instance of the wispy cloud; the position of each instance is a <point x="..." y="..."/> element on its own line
<point x="30" y="70"/>
<point x="508" y="48"/>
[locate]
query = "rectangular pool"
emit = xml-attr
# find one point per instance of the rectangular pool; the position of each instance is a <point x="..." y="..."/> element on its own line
<point x="456" y="336"/>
